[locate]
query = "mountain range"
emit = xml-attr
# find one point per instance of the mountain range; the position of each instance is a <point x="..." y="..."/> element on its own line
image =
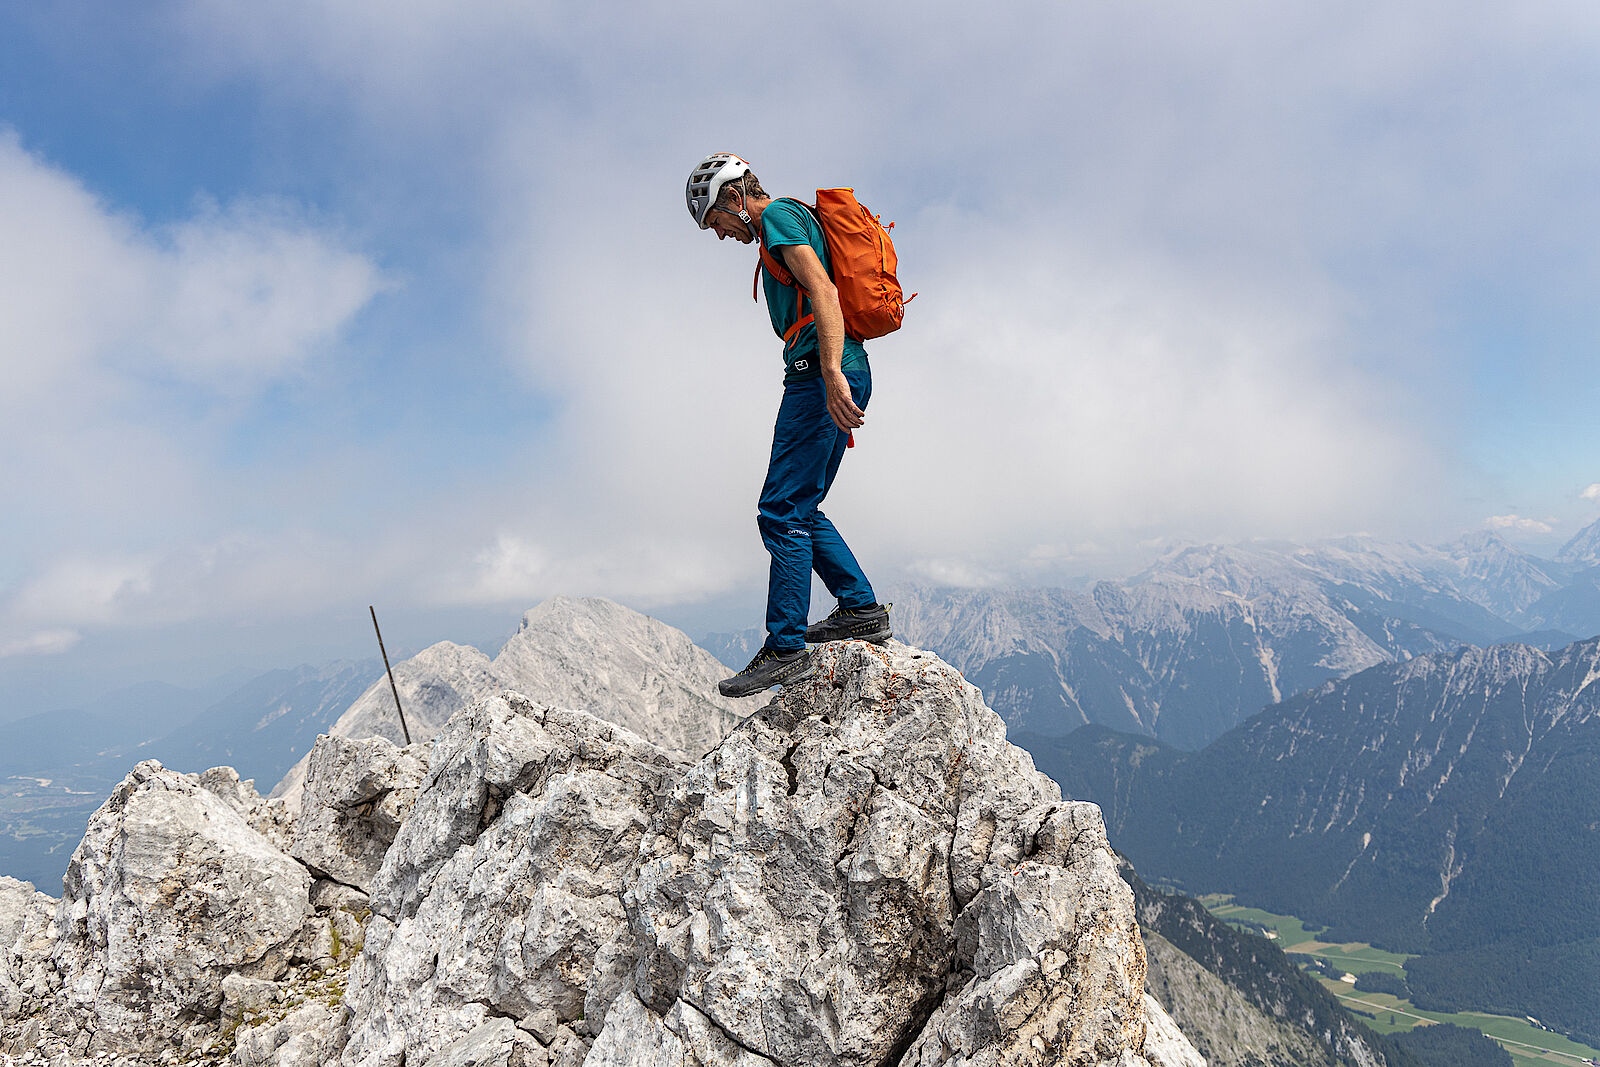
<point x="1183" y="651"/>
<point x="1445" y="806"/>
<point x="591" y="653"/>
<point x="1208" y="635"/>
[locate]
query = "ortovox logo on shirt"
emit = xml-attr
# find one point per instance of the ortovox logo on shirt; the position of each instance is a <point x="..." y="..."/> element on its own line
<point x="801" y="364"/>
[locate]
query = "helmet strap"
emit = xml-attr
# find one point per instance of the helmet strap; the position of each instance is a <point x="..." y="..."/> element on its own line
<point x="744" y="214"/>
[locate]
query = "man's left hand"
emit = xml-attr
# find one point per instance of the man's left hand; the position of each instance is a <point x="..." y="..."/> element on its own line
<point x="841" y="407"/>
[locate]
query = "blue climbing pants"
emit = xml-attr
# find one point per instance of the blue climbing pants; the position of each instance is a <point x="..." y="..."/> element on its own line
<point x="806" y="450"/>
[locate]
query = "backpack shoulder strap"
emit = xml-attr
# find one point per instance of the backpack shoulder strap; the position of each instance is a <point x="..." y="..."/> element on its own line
<point x="773" y="263"/>
<point x="784" y="277"/>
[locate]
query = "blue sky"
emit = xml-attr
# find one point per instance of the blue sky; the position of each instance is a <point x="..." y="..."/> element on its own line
<point x="307" y="306"/>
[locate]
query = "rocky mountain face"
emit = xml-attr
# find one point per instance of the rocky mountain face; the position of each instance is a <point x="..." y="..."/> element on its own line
<point x="1584" y="548"/>
<point x="862" y="872"/>
<point x="1444" y="806"/>
<point x="1211" y="634"/>
<point x="569" y="652"/>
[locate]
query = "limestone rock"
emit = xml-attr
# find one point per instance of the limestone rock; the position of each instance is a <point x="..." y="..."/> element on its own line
<point x="497" y="1043"/>
<point x="169" y="893"/>
<point x="310" y="1035"/>
<point x="569" y="652"/>
<point x="501" y="896"/>
<point x="866" y="872"/>
<point x="434" y="684"/>
<point x="27" y="977"/>
<point x="863" y="872"/>
<point x="357" y="793"/>
<point x="1164" y="1044"/>
<point x="634" y="1037"/>
<point x="269" y="818"/>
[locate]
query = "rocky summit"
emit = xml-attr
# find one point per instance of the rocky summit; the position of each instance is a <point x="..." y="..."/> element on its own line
<point x="863" y="872"/>
<point x="573" y="652"/>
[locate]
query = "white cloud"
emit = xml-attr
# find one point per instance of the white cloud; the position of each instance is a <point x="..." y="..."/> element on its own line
<point x="1208" y="305"/>
<point x="1520" y="524"/>
<point x="246" y="294"/>
<point x="227" y="299"/>
<point x="127" y="349"/>
<point x="81" y="590"/>
<point x="1592" y="492"/>
<point x="1082" y="394"/>
<point x="40" y="643"/>
<point x="255" y="576"/>
<point x="644" y="569"/>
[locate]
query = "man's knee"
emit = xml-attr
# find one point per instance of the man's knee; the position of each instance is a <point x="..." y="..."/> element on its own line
<point x="781" y="529"/>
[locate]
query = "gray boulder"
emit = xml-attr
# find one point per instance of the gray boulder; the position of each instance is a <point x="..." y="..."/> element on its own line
<point x="308" y="1035"/>
<point x="171" y="891"/>
<point x="28" y="979"/>
<point x="357" y="793"/>
<point x="866" y="872"/>
<point x="501" y="896"/>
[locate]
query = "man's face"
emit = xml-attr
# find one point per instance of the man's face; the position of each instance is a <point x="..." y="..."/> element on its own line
<point x="726" y="224"/>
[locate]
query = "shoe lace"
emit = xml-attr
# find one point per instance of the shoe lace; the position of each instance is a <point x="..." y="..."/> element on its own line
<point x="761" y="657"/>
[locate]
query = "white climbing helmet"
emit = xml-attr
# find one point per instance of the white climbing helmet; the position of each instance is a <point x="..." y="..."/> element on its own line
<point x="707" y="180"/>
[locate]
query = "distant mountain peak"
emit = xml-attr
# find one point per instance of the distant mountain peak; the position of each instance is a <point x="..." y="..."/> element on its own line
<point x="1584" y="548"/>
<point x="570" y="652"/>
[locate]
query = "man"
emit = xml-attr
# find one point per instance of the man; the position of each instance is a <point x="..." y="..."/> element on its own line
<point x="826" y="386"/>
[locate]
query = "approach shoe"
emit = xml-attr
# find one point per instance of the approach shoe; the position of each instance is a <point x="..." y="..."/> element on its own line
<point x="768" y="669"/>
<point x="853" y="624"/>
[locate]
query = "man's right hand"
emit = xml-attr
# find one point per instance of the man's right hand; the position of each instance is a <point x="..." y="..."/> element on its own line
<point x="841" y="406"/>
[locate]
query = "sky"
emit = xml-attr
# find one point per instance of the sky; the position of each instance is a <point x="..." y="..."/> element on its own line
<point x="307" y="306"/>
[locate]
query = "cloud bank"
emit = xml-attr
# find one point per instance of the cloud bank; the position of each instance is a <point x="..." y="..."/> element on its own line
<point x="1251" y="271"/>
<point x="128" y="349"/>
<point x="1520" y="524"/>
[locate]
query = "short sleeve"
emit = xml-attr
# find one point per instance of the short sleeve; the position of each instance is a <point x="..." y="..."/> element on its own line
<point x="786" y="222"/>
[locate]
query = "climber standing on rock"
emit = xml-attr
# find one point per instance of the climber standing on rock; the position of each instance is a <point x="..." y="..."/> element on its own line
<point x="827" y="383"/>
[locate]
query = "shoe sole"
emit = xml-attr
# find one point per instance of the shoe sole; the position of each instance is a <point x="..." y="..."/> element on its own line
<point x="870" y="638"/>
<point x="809" y="671"/>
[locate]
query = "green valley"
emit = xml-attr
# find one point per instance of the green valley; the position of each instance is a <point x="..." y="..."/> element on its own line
<point x="1529" y="1044"/>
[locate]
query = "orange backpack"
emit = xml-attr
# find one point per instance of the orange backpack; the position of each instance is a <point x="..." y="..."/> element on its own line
<point x="863" y="261"/>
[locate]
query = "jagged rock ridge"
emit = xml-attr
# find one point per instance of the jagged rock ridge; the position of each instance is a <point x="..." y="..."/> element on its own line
<point x="570" y="652"/>
<point x="864" y="872"/>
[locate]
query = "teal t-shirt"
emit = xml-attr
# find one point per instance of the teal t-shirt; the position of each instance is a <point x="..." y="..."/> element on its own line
<point x="789" y="222"/>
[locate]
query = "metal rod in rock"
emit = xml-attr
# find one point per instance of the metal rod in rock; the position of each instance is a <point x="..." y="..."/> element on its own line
<point x="392" y="687"/>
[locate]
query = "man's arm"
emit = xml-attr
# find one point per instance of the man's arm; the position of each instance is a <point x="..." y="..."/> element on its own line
<point x="807" y="269"/>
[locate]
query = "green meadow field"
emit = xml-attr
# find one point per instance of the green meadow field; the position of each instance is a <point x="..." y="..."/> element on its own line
<point x="1529" y="1045"/>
